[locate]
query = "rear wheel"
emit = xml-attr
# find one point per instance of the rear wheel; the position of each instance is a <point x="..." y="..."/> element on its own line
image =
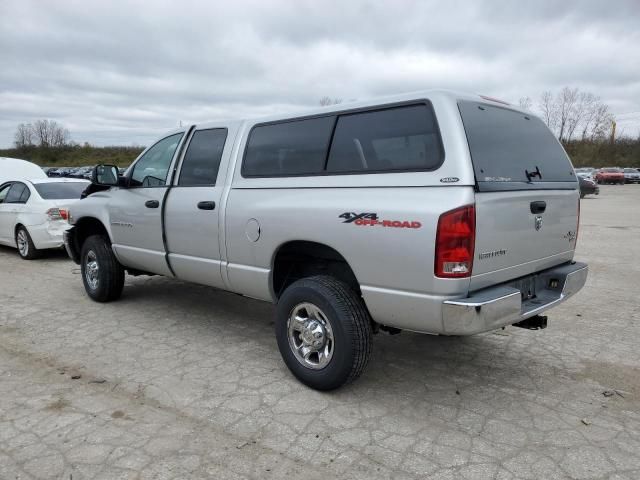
<point x="26" y="248"/>
<point x="102" y="274"/>
<point x="323" y="331"/>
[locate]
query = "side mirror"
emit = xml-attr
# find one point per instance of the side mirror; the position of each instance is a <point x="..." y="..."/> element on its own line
<point x="106" y="175"/>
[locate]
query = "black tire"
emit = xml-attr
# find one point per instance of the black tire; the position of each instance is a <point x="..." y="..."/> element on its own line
<point x="349" y="320"/>
<point x="26" y="249"/>
<point x="107" y="283"/>
<point x="582" y="195"/>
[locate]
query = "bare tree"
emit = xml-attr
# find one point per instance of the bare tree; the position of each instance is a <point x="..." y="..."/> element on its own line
<point x="577" y="115"/>
<point x="595" y="117"/>
<point x="49" y="134"/>
<point x="24" y="135"/>
<point x="572" y="114"/>
<point x="601" y="123"/>
<point x="60" y="137"/>
<point x="566" y="102"/>
<point x="324" y="101"/>
<point x="548" y="108"/>
<point x="525" y="103"/>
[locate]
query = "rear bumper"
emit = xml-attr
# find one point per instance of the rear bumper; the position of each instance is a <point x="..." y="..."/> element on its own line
<point x="48" y="234"/>
<point x="496" y="307"/>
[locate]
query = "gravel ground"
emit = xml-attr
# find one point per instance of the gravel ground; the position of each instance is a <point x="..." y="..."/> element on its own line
<point x="182" y="381"/>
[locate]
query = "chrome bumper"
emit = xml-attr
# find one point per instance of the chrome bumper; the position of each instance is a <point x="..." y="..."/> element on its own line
<point x="496" y="307"/>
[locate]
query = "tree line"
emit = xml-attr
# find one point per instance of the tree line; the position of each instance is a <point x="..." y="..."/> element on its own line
<point x="573" y="115"/>
<point x="41" y="133"/>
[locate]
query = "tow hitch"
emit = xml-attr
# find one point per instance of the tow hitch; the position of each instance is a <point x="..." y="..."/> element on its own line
<point x="534" y="323"/>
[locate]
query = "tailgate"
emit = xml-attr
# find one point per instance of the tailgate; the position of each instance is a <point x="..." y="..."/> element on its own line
<point x="512" y="242"/>
<point x="527" y="195"/>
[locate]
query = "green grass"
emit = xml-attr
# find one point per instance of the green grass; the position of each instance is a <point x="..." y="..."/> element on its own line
<point x="624" y="152"/>
<point x="75" y="156"/>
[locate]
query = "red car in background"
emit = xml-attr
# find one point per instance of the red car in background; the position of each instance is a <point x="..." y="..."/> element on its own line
<point x="610" y="175"/>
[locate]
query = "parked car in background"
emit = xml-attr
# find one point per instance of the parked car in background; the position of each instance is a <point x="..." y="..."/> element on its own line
<point x="313" y="211"/>
<point x="586" y="172"/>
<point x="33" y="213"/>
<point x="86" y="173"/>
<point x="57" y="172"/>
<point x="631" y="175"/>
<point x="613" y="176"/>
<point x="588" y="187"/>
<point x="79" y="172"/>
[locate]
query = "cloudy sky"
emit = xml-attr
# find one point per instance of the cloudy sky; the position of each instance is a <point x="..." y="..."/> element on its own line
<point x="123" y="72"/>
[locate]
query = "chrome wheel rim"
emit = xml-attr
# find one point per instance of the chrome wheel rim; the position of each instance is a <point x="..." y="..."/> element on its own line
<point x="23" y="243"/>
<point x="310" y="336"/>
<point x="91" y="269"/>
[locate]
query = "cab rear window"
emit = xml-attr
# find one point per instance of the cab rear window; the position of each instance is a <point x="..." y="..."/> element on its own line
<point x="513" y="151"/>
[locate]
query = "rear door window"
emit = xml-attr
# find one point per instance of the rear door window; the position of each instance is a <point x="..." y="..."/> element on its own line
<point x="3" y="192"/>
<point x="15" y="193"/>
<point x="202" y="159"/>
<point x="26" y="193"/>
<point x="394" y="139"/>
<point x="513" y="151"/>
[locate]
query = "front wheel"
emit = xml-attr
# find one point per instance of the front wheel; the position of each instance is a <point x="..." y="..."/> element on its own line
<point x="102" y="274"/>
<point x="323" y="331"/>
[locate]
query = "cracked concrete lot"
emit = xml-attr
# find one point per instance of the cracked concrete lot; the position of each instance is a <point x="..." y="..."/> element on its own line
<point x="177" y="381"/>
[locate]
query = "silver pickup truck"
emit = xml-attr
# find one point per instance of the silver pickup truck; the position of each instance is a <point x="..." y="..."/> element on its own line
<point x="435" y="212"/>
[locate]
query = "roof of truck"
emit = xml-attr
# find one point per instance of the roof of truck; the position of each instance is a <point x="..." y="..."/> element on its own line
<point x="432" y="94"/>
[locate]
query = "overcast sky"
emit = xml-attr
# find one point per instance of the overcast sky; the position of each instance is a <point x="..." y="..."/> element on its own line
<point x="123" y="72"/>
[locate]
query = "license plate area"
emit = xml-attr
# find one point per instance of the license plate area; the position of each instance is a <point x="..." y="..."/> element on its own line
<point x="527" y="287"/>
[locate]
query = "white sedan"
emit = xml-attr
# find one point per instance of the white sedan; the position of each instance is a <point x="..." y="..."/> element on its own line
<point x="33" y="213"/>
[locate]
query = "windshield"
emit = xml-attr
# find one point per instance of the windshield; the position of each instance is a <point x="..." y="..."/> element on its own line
<point x="631" y="170"/>
<point x="61" y="190"/>
<point x="513" y="151"/>
<point x="611" y="170"/>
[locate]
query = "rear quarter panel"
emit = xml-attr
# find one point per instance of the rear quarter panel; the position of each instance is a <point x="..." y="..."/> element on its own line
<point x="393" y="259"/>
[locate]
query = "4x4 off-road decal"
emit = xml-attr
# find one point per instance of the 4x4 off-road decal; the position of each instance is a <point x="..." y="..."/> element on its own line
<point x="372" y="220"/>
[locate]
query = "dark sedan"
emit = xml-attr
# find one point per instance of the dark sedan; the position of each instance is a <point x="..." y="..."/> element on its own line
<point x="588" y="187"/>
<point x="631" y="175"/>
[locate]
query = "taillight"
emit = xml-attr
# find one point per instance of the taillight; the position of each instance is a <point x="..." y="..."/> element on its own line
<point x="455" y="241"/>
<point x="58" y="213"/>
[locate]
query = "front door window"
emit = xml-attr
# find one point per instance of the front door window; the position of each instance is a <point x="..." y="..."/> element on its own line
<point x="152" y="169"/>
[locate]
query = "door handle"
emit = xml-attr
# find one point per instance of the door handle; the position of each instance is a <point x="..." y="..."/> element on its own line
<point x="152" y="204"/>
<point x="538" y="207"/>
<point x="206" y="205"/>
